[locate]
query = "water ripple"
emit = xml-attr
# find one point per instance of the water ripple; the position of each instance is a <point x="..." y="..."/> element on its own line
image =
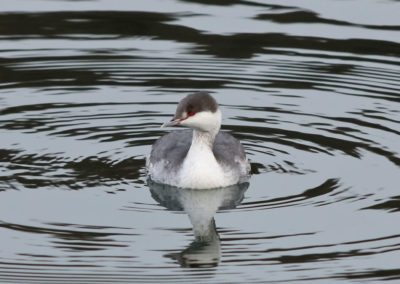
<point x="312" y="93"/>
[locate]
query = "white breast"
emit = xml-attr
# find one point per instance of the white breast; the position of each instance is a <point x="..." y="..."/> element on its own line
<point x="200" y="170"/>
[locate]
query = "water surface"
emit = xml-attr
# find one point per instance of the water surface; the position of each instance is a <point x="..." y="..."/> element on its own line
<point x="310" y="88"/>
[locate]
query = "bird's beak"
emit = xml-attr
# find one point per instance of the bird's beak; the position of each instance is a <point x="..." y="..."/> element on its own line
<point x="173" y="122"/>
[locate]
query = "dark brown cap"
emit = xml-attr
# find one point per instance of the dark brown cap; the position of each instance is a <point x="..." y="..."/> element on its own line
<point x="197" y="102"/>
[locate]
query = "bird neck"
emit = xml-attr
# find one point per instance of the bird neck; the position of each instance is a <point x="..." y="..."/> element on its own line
<point x="203" y="139"/>
<point x="200" y="168"/>
<point x="204" y="136"/>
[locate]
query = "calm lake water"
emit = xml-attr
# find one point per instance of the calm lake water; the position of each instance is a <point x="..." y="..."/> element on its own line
<point x="311" y="88"/>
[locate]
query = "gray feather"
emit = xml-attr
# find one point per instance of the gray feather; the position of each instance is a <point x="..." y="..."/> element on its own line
<point x="174" y="146"/>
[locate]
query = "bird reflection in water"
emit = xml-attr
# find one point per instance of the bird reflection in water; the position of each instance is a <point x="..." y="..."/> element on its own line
<point x="201" y="206"/>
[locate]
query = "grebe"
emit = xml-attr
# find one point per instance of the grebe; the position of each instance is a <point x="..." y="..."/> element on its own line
<point x="200" y="158"/>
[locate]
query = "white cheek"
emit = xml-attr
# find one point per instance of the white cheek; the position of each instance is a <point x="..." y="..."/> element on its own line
<point x="205" y="121"/>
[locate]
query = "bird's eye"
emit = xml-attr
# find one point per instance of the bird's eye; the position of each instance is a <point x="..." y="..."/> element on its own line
<point x="191" y="113"/>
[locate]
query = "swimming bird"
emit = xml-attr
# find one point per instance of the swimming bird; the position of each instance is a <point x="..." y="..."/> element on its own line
<point x="201" y="157"/>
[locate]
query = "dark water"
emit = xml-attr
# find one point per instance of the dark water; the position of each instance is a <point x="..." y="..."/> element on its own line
<point x="310" y="87"/>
